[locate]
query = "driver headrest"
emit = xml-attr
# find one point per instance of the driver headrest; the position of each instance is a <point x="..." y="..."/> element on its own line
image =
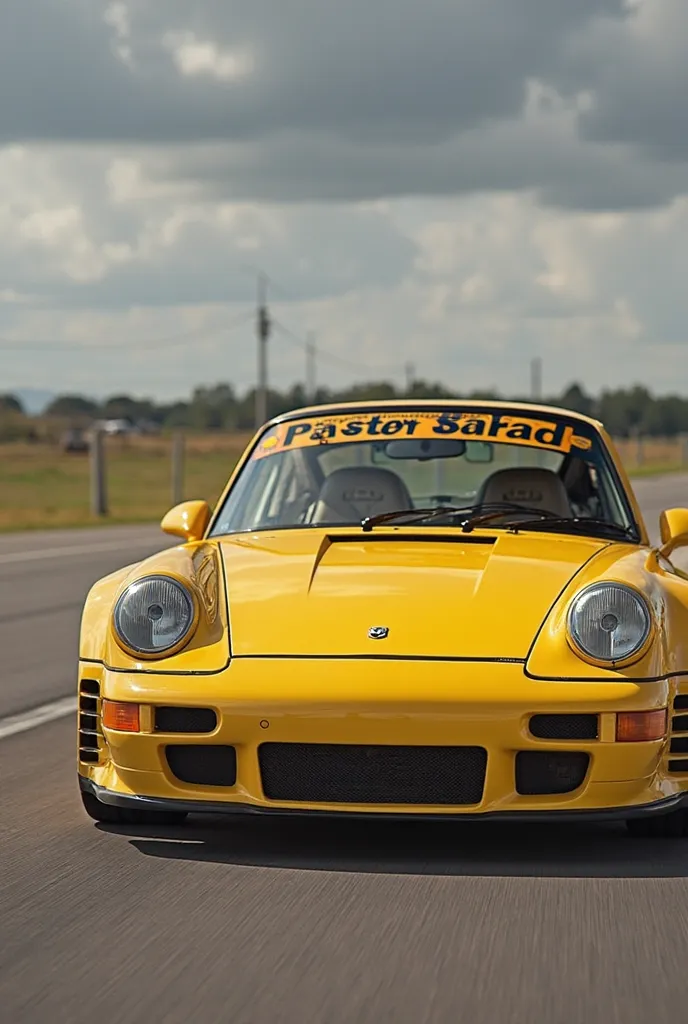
<point x="350" y="495"/>
<point x="532" y="486"/>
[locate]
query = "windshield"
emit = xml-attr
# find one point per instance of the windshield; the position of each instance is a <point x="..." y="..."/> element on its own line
<point x="342" y="469"/>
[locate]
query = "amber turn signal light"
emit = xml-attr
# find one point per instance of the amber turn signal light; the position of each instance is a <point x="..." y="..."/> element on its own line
<point x="640" y="726"/>
<point x="120" y="716"/>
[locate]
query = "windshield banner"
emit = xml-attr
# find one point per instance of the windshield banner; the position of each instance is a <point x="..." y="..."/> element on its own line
<point x="549" y="435"/>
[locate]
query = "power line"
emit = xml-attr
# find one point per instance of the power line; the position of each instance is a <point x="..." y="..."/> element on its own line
<point x="331" y="356"/>
<point x="13" y="345"/>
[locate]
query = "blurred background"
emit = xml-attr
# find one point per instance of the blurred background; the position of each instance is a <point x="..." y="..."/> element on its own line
<point x="210" y="214"/>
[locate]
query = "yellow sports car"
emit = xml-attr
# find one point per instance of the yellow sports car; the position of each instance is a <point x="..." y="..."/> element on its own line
<point x="412" y="608"/>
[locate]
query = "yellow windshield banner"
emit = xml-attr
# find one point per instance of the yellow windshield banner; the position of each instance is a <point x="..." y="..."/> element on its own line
<point x="547" y="435"/>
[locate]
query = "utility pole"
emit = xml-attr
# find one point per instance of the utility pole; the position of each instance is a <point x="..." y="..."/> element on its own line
<point x="536" y="379"/>
<point x="262" y="334"/>
<point x="310" y="367"/>
<point x="410" y="376"/>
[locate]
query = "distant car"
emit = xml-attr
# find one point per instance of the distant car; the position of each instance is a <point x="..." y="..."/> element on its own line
<point x="415" y="609"/>
<point x="74" y="440"/>
<point x="114" y="427"/>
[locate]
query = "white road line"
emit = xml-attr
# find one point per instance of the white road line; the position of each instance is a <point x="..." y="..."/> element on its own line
<point x="65" y="552"/>
<point x="37" y="716"/>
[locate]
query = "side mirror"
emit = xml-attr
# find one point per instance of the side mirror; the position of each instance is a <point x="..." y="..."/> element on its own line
<point x="673" y="529"/>
<point x="188" y="520"/>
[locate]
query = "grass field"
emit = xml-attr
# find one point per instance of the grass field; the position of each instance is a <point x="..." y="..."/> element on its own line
<point x="40" y="487"/>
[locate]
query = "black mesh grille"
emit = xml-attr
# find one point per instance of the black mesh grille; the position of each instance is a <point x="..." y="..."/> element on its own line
<point x="679" y="766"/>
<point x="356" y="774"/>
<point x="679" y="746"/>
<point x="679" y="723"/>
<point x="540" y="772"/>
<point x="681" y="702"/>
<point x="206" y="765"/>
<point x="185" y="720"/>
<point x="91" y="686"/>
<point x="564" y="727"/>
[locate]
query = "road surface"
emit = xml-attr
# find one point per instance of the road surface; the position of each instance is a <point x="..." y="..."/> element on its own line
<point x="299" y="922"/>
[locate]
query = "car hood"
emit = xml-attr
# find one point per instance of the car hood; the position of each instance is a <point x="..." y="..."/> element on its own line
<point x="440" y="595"/>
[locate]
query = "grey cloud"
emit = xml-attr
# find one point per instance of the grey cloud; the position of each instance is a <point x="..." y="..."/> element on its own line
<point x="507" y="157"/>
<point x="399" y="69"/>
<point x="640" y="83"/>
<point x="357" y="100"/>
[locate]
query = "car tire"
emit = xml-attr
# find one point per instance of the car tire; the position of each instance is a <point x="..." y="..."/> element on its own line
<point x="110" y="815"/>
<point x="664" y="826"/>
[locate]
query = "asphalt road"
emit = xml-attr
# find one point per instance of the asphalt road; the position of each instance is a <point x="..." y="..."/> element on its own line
<point x="300" y="922"/>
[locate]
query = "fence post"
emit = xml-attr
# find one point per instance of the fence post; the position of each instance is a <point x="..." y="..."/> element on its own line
<point x="683" y="452"/>
<point x="177" y="468"/>
<point x="99" y="503"/>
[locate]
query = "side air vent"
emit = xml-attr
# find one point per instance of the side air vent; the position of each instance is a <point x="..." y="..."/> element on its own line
<point x="185" y="720"/>
<point x="564" y="727"/>
<point x="678" y="742"/>
<point x="90" y="732"/>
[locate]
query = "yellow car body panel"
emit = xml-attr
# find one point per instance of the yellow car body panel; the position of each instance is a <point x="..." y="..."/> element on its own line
<point x="288" y="588"/>
<point x="477" y="645"/>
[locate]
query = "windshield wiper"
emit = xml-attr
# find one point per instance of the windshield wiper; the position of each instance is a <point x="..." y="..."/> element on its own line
<point x="577" y="523"/>
<point x="474" y="514"/>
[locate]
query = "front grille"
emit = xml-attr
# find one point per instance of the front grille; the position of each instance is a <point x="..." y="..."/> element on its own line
<point x="203" y="765"/>
<point x="185" y="720"/>
<point x="340" y="773"/>
<point x="545" y="772"/>
<point x="678" y="741"/>
<point x="564" y="727"/>
<point x="90" y="732"/>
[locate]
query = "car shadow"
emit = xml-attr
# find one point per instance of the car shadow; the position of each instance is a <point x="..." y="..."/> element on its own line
<point x="414" y="848"/>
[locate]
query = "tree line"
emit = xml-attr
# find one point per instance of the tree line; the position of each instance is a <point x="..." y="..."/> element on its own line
<point x="221" y="408"/>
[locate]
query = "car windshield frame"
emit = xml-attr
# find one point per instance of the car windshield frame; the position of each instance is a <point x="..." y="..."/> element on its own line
<point x="307" y="416"/>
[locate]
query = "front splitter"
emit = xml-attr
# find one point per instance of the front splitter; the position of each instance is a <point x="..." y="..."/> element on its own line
<point x="132" y="802"/>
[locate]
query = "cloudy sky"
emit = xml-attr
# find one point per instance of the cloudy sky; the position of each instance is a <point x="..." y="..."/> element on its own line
<point x="458" y="184"/>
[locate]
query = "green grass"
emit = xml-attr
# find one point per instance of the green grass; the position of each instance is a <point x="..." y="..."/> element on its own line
<point x="42" y="488"/>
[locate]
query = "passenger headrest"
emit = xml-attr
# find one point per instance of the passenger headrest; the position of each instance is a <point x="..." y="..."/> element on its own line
<point x="350" y="495"/>
<point x="532" y="486"/>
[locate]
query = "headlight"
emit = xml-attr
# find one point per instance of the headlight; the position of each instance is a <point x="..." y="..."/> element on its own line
<point x="609" y="622"/>
<point x="154" y="615"/>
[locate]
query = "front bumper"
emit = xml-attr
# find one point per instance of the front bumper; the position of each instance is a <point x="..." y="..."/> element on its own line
<point x="402" y="703"/>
